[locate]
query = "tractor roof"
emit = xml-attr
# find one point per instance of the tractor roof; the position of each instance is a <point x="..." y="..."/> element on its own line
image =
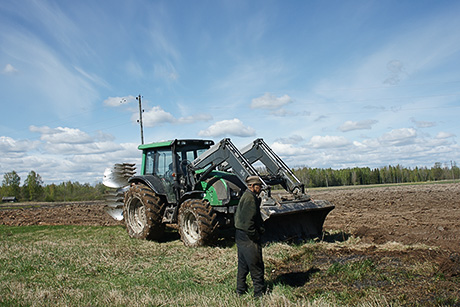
<point x="155" y="145"/>
<point x="179" y="142"/>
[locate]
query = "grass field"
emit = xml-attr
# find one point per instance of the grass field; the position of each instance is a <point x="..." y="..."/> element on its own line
<point x="102" y="266"/>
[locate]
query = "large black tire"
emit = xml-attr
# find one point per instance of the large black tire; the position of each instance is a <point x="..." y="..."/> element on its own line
<point x="143" y="213"/>
<point x="197" y="223"/>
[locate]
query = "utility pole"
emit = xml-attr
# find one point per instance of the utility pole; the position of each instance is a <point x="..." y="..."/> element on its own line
<point x="138" y="98"/>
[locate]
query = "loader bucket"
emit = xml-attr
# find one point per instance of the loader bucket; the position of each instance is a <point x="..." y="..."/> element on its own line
<point x="294" y="221"/>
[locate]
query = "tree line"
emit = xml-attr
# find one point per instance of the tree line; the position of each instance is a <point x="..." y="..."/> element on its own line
<point x="318" y="177"/>
<point x="33" y="188"/>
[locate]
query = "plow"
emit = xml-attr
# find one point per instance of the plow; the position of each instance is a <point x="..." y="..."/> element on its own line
<point x="195" y="186"/>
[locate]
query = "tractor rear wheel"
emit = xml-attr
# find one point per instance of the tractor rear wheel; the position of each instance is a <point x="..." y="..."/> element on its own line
<point x="143" y="212"/>
<point x="197" y="223"/>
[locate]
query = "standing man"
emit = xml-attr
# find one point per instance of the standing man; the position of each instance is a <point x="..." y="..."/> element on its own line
<point x="249" y="228"/>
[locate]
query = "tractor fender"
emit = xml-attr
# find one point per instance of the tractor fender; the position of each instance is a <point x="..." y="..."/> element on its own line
<point x="153" y="182"/>
<point x="197" y="194"/>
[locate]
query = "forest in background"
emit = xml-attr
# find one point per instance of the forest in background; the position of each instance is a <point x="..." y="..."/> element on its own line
<point x="33" y="188"/>
<point x="319" y="177"/>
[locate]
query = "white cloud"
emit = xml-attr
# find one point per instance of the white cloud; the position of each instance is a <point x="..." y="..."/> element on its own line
<point x="321" y="118"/>
<point x="445" y="135"/>
<point x="328" y="141"/>
<point x="228" y="127"/>
<point x="398" y="137"/>
<point x="396" y="70"/>
<point x="155" y="116"/>
<point x="9" y="69"/>
<point x="423" y="124"/>
<point x="70" y="141"/>
<point x="80" y="149"/>
<point x="293" y="139"/>
<point x="10" y="145"/>
<point x="103" y="137"/>
<point x="194" y="118"/>
<point x="281" y="113"/>
<point x="359" y="125"/>
<point x="285" y="149"/>
<point x="270" y="101"/>
<point x="58" y="159"/>
<point x="62" y="135"/>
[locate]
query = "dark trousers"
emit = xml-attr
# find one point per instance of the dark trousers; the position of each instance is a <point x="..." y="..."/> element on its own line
<point x="249" y="261"/>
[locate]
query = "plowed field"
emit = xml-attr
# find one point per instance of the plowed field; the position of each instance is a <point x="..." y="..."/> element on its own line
<point x="411" y="214"/>
<point x="427" y="214"/>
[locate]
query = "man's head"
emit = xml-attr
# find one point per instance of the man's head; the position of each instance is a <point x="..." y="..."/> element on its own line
<point x="254" y="184"/>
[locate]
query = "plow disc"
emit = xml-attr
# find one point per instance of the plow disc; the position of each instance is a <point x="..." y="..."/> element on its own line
<point x="294" y="221"/>
<point x="116" y="178"/>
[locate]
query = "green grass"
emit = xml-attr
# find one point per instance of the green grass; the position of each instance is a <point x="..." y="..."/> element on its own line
<point x="102" y="266"/>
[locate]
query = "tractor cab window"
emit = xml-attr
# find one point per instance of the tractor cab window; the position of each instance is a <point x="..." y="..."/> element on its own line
<point x="191" y="154"/>
<point x="149" y="159"/>
<point x="159" y="162"/>
<point x="164" y="164"/>
<point x="200" y="151"/>
<point x="184" y="158"/>
<point x="187" y="156"/>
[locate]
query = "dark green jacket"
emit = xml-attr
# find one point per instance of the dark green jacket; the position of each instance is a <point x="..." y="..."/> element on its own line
<point x="247" y="215"/>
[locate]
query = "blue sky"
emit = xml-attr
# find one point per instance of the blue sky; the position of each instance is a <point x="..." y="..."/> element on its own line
<point x="326" y="83"/>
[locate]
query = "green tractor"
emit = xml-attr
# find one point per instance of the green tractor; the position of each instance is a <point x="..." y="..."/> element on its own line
<point x="195" y="185"/>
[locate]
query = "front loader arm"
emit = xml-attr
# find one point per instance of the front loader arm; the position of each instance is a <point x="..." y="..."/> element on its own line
<point x="223" y="153"/>
<point x="258" y="150"/>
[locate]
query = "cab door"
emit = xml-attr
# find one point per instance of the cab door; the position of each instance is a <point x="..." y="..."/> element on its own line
<point x="159" y="163"/>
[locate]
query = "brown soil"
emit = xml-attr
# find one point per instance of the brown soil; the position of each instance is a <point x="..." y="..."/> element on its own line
<point x="68" y="213"/>
<point x="410" y="214"/>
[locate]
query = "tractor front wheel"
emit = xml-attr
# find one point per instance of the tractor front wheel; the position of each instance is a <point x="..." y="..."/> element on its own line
<point x="143" y="212"/>
<point x="197" y="223"/>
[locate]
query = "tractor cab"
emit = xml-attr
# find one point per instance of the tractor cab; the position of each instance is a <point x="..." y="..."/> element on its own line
<point x="169" y="159"/>
<point x="166" y="163"/>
